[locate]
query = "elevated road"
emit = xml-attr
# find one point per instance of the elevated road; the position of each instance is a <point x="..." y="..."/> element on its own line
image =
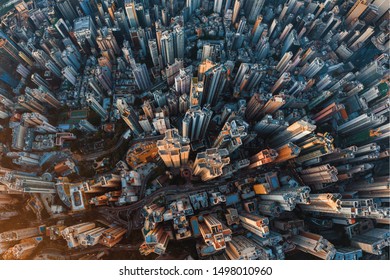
<point x="99" y="154"/>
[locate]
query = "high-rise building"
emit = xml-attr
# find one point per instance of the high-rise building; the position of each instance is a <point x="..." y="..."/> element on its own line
<point x="67" y="10"/>
<point x="153" y="50"/>
<point x="131" y="13"/>
<point x="183" y="81"/>
<point x="7" y="49"/>
<point x="70" y="74"/>
<point x="241" y="248"/>
<point x="214" y="83"/>
<point x="104" y="76"/>
<point x="242" y="70"/>
<point x="85" y="7"/>
<point x="172" y="70"/>
<point x="129" y="115"/>
<point x="203" y="67"/>
<point x="355" y="12"/>
<point x="253" y="111"/>
<point x="160" y="98"/>
<point x="195" y="122"/>
<point x="39" y="81"/>
<point x="107" y="42"/>
<point x="293" y="133"/>
<point x="256" y="224"/>
<point x="370" y="74"/>
<point x="141" y="76"/>
<point x="215" y="235"/>
<point x="161" y="123"/>
<point x="156" y="241"/>
<point x="23" y="70"/>
<point x="122" y="21"/>
<point x="253" y="9"/>
<point x="39" y="121"/>
<point x="95" y="105"/>
<point x="85" y="32"/>
<point x="148" y="109"/>
<point x="20" y="234"/>
<point x="71" y="234"/>
<point x="71" y="57"/>
<point x="4" y="114"/>
<point x="236" y="10"/>
<point x="310" y="70"/>
<point x="179" y="42"/>
<point x="145" y="124"/>
<point x="218" y="6"/>
<point x="263" y="157"/>
<point x="6" y="102"/>
<point x="167" y="47"/>
<point x="209" y="164"/>
<point x="50" y="65"/>
<point x="359" y="42"/>
<point x="183" y="103"/>
<point x="40" y="56"/>
<point x="191" y="5"/>
<point x="174" y="150"/>
<point x="30" y="104"/>
<point x="196" y="92"/>
<point x="86" y="126"/>
<point x="230" y="136"/>
<point x="172" y="103"/>
<point x="281" y="66"/>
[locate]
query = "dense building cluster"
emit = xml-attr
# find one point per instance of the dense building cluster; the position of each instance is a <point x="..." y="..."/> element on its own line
<point x="253" y="129"/>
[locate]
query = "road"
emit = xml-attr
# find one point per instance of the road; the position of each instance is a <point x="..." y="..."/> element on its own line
<point x="158" y="85"/>
<point x="114" y="212"/>
<point x="100" y="154"/>
<point x="144" y="185"/>
<point x="170" y="189"/>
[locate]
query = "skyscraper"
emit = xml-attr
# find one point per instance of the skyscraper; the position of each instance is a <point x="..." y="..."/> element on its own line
<point x="9" y="50"/>
<point x="50" y="65"/>
<point x="183" y="81"/>
<point x="172" y="70"/>
<point x="44" y="95"/>
<point x="92" y="102"/>
<point x="310" y="70"/>
<point x="203" y="67"/>
<point x="230" y="137"/>
<point x="129" y="115"/>
<point x="141" y="76"/>
<point x="236" y="10"/>
<point x="218" y="6"/>
<point x="86" y="126"/>
<point x="153" y="50"/>
<point x="357" y="9"/>
<point x="253" y="111"/>
<point x="209" y="164"/>
<point x="107" y="42"/>
<point x="39" y="81"/>
<point x="167" y="47"/>
<point x="104" y="76"/>
<point x="70" y="74"/>
<point x="161" y="122"/>
<point x="253" y="9"/>
<point x="174" y="150"/>
<point x="131" y="13"/>
<point x="67" y="10"/>
<point x="196" y="92"/>
<point x="85" y="33"/>
<point x="179" y="40"/>
<point x="213" y="84"/>
<point x="183" y="103"/>
<point x="195" y="122"/>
